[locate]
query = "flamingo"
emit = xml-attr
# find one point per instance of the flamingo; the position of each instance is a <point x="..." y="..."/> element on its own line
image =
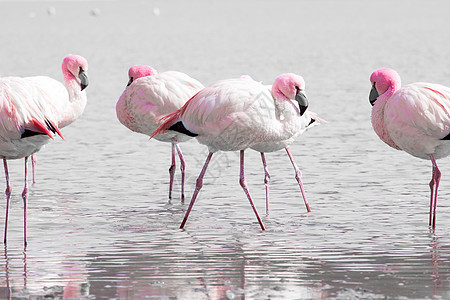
<point x="271" y="147"/>
<point x="236" y="114"/>
<point x="150" y="95"/>
<point x="32" y="111"/>
<point x="414" y="118"/>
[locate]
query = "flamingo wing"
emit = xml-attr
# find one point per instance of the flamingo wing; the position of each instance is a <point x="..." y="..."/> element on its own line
<point x="26" y="109"/>
<point x="230" y="101"/>
<point x="417" y="117"/>
<point x="147" y="99"/>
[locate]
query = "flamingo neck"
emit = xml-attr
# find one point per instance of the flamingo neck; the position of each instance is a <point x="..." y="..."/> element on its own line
<point x="286" y="109"/>
<point x="287" y="114"/>
<point x="77" y="99"/>
<point x="378" y="123"/>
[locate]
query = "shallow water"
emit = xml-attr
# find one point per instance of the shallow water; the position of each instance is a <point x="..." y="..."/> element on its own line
<point x="100" y="223"/>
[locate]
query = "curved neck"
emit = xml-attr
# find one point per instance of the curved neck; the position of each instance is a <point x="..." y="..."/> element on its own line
<point x="70" y="80"/>
<point x="285" y="108"/>
<point x="77" y="100"/>
<point x="378" y="123"/>
<point x="288" y="120"/>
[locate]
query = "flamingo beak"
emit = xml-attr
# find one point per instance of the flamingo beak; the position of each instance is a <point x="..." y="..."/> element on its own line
<point x="373" y="96"/>
<point x="302" y="101"/>
<point x="130" y="81"/>
<point x="83" y="79"/>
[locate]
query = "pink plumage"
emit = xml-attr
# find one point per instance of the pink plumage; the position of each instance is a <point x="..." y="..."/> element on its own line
<point x="32" y="111"/>
<point x="236" y="114"/>
<point x="414" y="118"/>
<point x="149" y="96"/>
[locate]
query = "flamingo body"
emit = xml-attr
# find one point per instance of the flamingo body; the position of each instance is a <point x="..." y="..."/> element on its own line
<point x="236" y="114"/>
<point x="417" y="118"/>
<point x="23" y="103"/>
<point x="149" y="98"/>
<point x="414" y="118"/>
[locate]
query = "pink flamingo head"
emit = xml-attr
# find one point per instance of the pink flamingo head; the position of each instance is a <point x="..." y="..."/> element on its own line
<point x="291" y="86"/>
<point x="75" y="66"/>
<point x="383" y="80"/>
<point x="139" y="71"/>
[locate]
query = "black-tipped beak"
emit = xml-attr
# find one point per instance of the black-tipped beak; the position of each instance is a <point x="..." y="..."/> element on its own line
<point x="302" y="102"/>
<point x="83" y="79"/>
<point x="130" y="81"/>
<point x="373" y="96"/>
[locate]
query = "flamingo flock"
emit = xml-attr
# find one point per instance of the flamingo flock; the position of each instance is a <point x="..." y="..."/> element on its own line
<point x="236" y="114"/>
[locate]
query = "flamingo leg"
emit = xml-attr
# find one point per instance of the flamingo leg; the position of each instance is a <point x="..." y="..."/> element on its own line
<point x="243" y="184"/>
<point x="198" y="186"/>
<point x="172" y="171"/>
<point x="25" y="202"/>
<point x="432" y="182"/>
<point x="266" y="181"/>
<point x="8" y="196"/>
<point x="298" y="176"/>
<point x="33" y="165"/>
<point x="434" y="187"/>
<point x="182" y="166"/>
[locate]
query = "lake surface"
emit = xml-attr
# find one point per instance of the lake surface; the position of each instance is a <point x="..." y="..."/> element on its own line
<point x="101" y="225"/>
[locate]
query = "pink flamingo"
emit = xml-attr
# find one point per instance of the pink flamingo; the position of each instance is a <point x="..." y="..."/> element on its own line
<point x="414" y="118"/>
<point x="148" y="97"/>
<point x="32" y="110"/>
<point x="306" y="122"/>
<point x="237" y="114"/>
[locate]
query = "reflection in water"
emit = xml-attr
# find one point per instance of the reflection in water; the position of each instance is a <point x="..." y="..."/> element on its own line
<point x="8" y="290"/>
<point x="210" y="268"/>
<point x="434" y="244"/>
<point x="48" y="279"/>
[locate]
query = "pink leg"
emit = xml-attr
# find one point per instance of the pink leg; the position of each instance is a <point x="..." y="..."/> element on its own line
<point x="434" y="187"/>
<point x="172" y="171"/>
<point x="25" y="202"/>
<point x="182" y="167"/>
<point x="298" y="176"/>
<point x="432" y="182"/>
<point x="33" y="165"/>
<point x="266" y="181"/>
<point x="198" y="186"/>
<point x="244" y="186"/>
<point x="8" y="196"/>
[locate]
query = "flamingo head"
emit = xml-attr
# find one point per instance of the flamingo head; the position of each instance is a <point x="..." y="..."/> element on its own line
<point x="382" y="80"/>
<point x="291" y="86"/>
<point x="77" y="66"/>
<point x="139" y="71"/>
